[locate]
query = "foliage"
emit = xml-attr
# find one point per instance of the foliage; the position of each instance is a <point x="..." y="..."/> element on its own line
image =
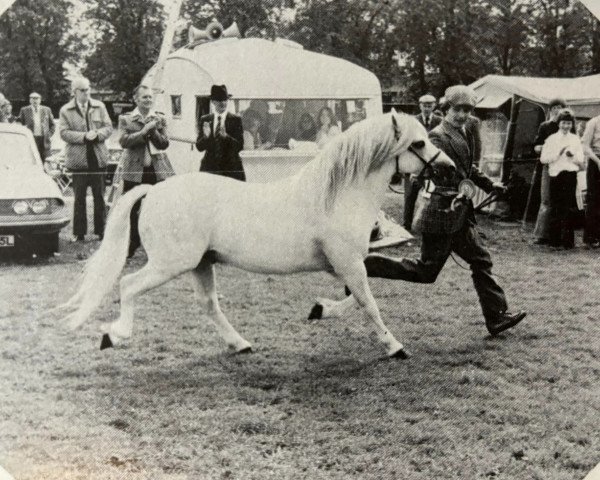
<point x="426" y="45"/>
<point x="361" y="31"/>
<point x="129" y="40"/>
<point x="253" y="17"/>
<point x="35" y="43"/>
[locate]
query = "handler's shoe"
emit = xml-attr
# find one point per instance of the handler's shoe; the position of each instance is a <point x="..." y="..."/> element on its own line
<point x="504" y="321"/>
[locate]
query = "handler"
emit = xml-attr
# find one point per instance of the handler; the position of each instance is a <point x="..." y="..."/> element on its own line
<point x="458" y="143"/>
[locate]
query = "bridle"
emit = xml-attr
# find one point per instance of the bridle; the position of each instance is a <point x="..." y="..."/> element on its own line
<point x="427" y="167"/>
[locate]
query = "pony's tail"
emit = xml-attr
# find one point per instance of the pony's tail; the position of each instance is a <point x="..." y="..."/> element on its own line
<point x="105" y="265"/>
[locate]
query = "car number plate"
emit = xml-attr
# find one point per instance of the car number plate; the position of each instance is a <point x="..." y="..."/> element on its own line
<point x="7" y="240"/>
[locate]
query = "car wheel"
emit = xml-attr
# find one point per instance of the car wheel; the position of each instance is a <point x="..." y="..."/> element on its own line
<point x="48" y="244"/>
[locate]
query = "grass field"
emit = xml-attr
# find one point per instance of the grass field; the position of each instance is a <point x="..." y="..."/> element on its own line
<point x="316" y="400"/>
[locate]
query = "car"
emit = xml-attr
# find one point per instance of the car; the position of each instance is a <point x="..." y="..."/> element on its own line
<point x="32" y="207"/>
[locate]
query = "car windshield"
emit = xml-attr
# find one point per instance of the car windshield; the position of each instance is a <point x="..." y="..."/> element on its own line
<point x="289" y="123"/>
<point x="15" y="151"/>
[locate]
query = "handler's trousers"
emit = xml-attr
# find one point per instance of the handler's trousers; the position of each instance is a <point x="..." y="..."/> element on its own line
<point x="435" y="250"/>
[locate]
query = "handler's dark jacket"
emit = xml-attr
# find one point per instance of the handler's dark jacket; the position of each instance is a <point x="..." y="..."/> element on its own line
<point x="463" y="146"/>
<point x="222" y="155"/>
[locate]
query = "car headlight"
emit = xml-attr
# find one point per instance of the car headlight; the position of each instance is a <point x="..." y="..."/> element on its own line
<point x="39" y="206"/>
<point x="20" y="207"/>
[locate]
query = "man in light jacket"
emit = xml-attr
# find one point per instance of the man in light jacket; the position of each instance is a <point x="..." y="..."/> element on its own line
<point x="85" y="126"/>
<point x="143" y="136"/>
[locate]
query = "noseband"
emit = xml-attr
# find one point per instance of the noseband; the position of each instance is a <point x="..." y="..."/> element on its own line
<point x="397" y="177"/>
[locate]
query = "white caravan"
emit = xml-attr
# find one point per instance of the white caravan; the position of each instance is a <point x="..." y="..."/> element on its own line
<point x="277" y="85"/>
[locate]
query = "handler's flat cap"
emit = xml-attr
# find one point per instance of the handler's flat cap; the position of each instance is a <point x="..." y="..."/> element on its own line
<point x="461" y="95"/>
<point x="34" y="95"/>
<point x="427" y="99"/>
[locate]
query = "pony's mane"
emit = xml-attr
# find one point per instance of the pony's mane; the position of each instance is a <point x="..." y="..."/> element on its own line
<point x="358" y="152"/>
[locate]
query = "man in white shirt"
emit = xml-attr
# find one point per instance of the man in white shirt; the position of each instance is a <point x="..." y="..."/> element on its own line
<point x="39" y="119"/>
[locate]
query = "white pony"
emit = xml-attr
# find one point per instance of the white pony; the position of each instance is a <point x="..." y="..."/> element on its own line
<point x="318" y="219"/>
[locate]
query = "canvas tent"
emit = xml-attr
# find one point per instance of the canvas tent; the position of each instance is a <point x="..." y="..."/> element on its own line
<point x="518" y="105"/>
<point x="582" y="94"/>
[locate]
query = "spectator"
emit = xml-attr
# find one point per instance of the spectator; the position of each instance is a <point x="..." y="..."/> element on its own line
<point x="307" y="130"/>
<point x="328" y="127"/>
<point x="541" y="231"/>
<point x="38" y="118"/>
<point x="427" y="117"/>
<point x="143" y="136"/>
<point x="85" y="126"/>
<point x="429" y="120"/>
<point x="7" y="116"/>
<point x="252" y="125"/>
<point x="221" y="137"/>
<point x="563" y="154"/>
<point x="591" y="148"/>
<point x="2" y="100"/>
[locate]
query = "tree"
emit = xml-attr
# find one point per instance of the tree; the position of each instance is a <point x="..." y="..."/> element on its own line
<point x="35" y="45"/>
<point x="562" y="38"/>
<point x="253" y="17"/>
<point x="507" y="33"/>
<point x="361" y="31"/>
<point x="129" y="39"/>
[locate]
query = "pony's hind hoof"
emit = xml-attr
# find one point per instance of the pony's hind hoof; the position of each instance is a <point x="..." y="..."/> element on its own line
<point x="400" y="354"/>
<point x="244" y="350"/>
<point x="316" y="313"/>
<point x="106" y="342"/>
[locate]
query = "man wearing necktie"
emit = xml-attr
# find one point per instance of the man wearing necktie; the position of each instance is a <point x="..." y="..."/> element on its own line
<point x="221" y="138"/>
<point x="85" y="126"/>
<point x="454" y="137"/>
<point x="429" y="120"/>
<point x="38" y="118"/>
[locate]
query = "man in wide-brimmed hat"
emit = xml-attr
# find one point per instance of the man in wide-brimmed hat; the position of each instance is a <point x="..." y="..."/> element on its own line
<point x="454" y="137"/>
<point x="221" y="138"/>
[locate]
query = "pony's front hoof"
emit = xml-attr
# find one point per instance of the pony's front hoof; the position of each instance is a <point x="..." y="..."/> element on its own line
<point x="247" y="349"/>
<point x="106" y="342"/>
<point x="316" y="313"/>
<point x="400" y="354"/>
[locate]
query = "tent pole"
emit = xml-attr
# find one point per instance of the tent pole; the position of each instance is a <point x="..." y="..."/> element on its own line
<point x="510" y="138"/>
<point x="530" y="194"/>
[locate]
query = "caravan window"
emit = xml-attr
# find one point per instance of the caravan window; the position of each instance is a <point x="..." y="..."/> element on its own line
<point x="273" y="123"/>
<point x="176" y="105"/>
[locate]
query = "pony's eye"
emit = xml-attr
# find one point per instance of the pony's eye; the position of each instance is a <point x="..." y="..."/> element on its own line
<point x="418" y="145"/>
